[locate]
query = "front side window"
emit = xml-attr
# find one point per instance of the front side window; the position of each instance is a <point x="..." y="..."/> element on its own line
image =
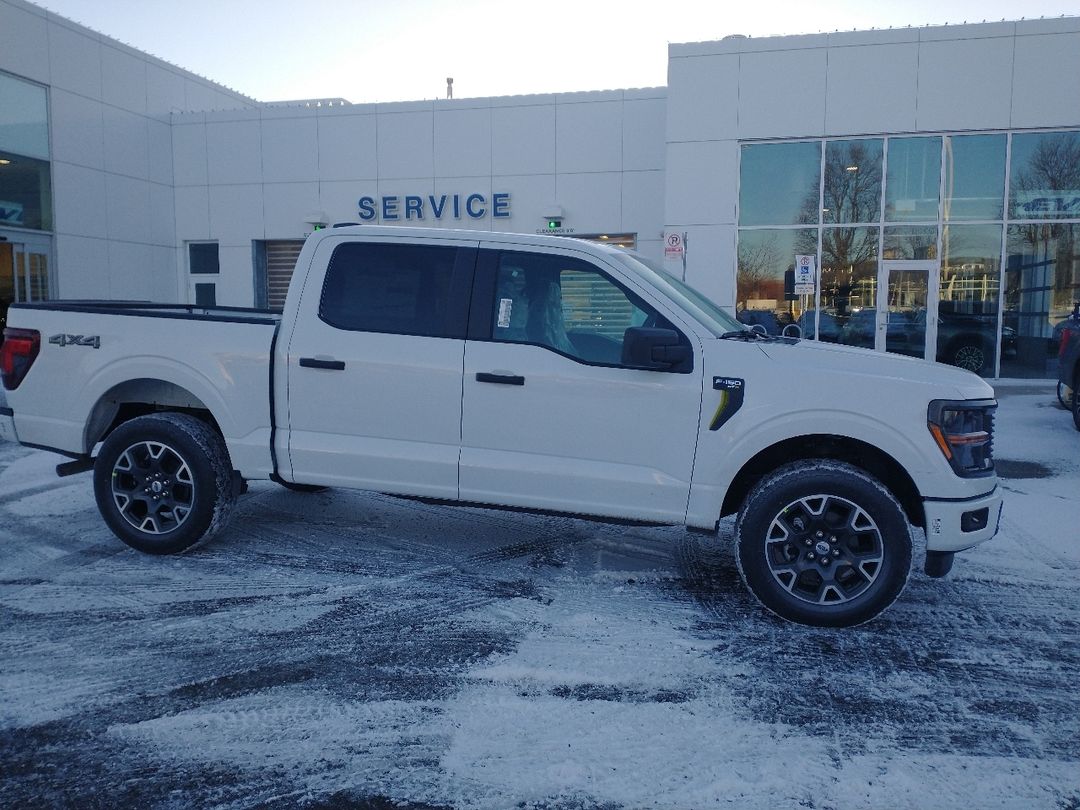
<point x="393" y="288"/>
<point x="566" y="305"/>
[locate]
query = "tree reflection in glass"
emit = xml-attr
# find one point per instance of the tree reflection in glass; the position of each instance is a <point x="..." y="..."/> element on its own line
<point x="852" y="187"/>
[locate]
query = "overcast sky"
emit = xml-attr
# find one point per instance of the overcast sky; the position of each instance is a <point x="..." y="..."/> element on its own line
<point x="401" y="50"/>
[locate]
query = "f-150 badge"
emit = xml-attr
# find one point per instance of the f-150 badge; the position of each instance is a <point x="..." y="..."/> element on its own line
<point x="731" y="399"/>
<point x="94" y="341"/>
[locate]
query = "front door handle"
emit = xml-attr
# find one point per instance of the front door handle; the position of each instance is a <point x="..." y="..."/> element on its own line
<point x="312" y="362"/>
<point x="503" y="379"/>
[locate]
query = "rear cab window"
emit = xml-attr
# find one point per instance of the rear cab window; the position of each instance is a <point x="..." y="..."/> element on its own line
<point x="398" y="288"/>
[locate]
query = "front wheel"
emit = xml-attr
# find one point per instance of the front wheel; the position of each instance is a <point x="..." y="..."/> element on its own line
<point x="163" y="482"/>
<point x="823" y="543"/>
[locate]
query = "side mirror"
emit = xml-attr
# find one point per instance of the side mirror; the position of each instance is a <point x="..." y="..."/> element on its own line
<point x="656" y="350"/>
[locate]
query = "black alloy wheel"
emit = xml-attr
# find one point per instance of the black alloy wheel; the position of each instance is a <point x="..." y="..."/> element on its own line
<point x="822" y="542"/>
<point x="163" y="482"/>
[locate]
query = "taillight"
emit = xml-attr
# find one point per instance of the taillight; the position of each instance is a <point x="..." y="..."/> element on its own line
<point x="17" y="353"/>
<point x="964" y="432"/>
<point x="1066" y="336"/>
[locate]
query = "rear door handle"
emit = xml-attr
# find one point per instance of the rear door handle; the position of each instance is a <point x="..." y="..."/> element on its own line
<point x="312" y="362"/>
<point x="503" y="379"/>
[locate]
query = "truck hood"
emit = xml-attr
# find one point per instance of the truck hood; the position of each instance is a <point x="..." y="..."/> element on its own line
<point x="811" y="357"/>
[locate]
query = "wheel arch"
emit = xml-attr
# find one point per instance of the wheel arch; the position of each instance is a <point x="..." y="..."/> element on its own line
<point x="858" y="453"/>
<point x="139" y="397"/>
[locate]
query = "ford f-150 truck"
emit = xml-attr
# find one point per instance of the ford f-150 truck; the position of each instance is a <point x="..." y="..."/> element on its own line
<point x="527" y="372"/>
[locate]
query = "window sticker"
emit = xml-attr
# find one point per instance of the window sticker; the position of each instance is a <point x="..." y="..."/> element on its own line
<point x="505" y="307"/>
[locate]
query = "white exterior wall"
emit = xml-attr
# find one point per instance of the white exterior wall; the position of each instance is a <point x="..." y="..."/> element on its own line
<point x="256" y="174"/>
<point x="112" y="164"/>
<point x="1010" y="75"/>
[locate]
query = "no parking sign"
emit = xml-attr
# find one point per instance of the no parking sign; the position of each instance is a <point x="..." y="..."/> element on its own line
<point x="805" y="274"/>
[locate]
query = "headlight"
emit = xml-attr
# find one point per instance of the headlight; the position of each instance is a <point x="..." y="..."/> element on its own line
<point x="964" y="432"/>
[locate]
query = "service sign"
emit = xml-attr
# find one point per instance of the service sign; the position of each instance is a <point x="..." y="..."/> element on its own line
<point x="421" y="208"/>
<point x="805" y="274"/>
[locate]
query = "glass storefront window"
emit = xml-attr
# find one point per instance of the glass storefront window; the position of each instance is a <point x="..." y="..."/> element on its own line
<point x="849" y="279"/>
<point x="25" y="192"/>
<point x="779" y="183"/>
<point x="1044" y="176"/>
<point x="974" y="176"/>
<point x="1042" y="279"/>
<point x="911" y="242"/>
<point x="764" y="257"/>
<point x="852" y="189"/>
<point x="24" y="127"/>
<point x="913" y="179"/>
<point x="968" y="299"/>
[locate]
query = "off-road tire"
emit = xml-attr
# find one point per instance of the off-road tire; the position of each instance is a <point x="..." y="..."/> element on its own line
<point x="181" y="497"/>
<point x="861" y="530"/>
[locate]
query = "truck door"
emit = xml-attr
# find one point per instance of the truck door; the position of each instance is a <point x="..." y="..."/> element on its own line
<point x="552" y="417"/>
<point x="375" y="365"/>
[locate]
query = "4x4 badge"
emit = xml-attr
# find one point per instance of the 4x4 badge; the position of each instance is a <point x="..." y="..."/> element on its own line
<point x="93" y="341"/>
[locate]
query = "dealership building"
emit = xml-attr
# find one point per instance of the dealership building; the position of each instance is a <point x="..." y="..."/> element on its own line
<point x="930" y="175"/>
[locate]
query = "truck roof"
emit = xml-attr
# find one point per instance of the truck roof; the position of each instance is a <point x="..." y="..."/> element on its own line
<point x="409" y="232"/>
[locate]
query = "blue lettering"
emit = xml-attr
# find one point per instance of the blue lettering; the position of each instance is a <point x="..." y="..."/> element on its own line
<point x="437" y="207"/>
<point x="414" y="205"/>
<point x="469" y="206"/>
<point x="457" y="207"/>
<point x="500" y="205"/>
<point x="367" y="208"/>
<point x="390" y="208"/>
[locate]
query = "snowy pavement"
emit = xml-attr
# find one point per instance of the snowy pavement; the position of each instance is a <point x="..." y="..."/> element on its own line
<point x="354" y="650"/>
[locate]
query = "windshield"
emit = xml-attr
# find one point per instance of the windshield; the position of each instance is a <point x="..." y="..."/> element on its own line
<point x="716" y="319"/>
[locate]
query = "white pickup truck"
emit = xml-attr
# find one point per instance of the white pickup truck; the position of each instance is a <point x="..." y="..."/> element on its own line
<point x="528" y="372"/>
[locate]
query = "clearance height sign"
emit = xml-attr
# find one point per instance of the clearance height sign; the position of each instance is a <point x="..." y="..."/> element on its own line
<point x="414" y="207"/>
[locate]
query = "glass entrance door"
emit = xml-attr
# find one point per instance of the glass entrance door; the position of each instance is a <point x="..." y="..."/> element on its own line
<point x="24" y="268"/>
<point x="906" y="320"/>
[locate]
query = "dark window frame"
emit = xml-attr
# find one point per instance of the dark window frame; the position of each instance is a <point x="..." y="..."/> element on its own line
<point x="458" y="298"/>
<point x="191" y="257"/>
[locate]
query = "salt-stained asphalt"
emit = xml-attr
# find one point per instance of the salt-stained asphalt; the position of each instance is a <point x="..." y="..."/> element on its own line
<point x="355" y="650"/>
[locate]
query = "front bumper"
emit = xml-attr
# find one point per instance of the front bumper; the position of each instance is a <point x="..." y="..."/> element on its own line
<point x="957" y="525"/>
<point x="7" y="425"/>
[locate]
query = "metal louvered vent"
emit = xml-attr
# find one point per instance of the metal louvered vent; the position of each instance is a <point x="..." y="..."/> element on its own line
<point x="280" y="262"/>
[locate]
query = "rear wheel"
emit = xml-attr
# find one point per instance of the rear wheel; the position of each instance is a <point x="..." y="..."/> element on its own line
<point x="163" y="483"/>
<point x="823" y="543"/>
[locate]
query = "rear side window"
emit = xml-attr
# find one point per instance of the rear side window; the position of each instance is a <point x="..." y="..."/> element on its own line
<point x="400" y="289"/>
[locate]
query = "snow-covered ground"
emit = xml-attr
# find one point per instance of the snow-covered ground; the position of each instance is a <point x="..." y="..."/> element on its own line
<point x="345" y="649"/>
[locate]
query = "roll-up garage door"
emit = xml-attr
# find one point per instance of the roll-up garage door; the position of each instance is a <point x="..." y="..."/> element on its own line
<point x="281" y="258"/>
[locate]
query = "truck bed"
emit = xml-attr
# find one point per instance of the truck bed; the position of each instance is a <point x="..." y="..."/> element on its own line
<point x="97" y="355"/>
